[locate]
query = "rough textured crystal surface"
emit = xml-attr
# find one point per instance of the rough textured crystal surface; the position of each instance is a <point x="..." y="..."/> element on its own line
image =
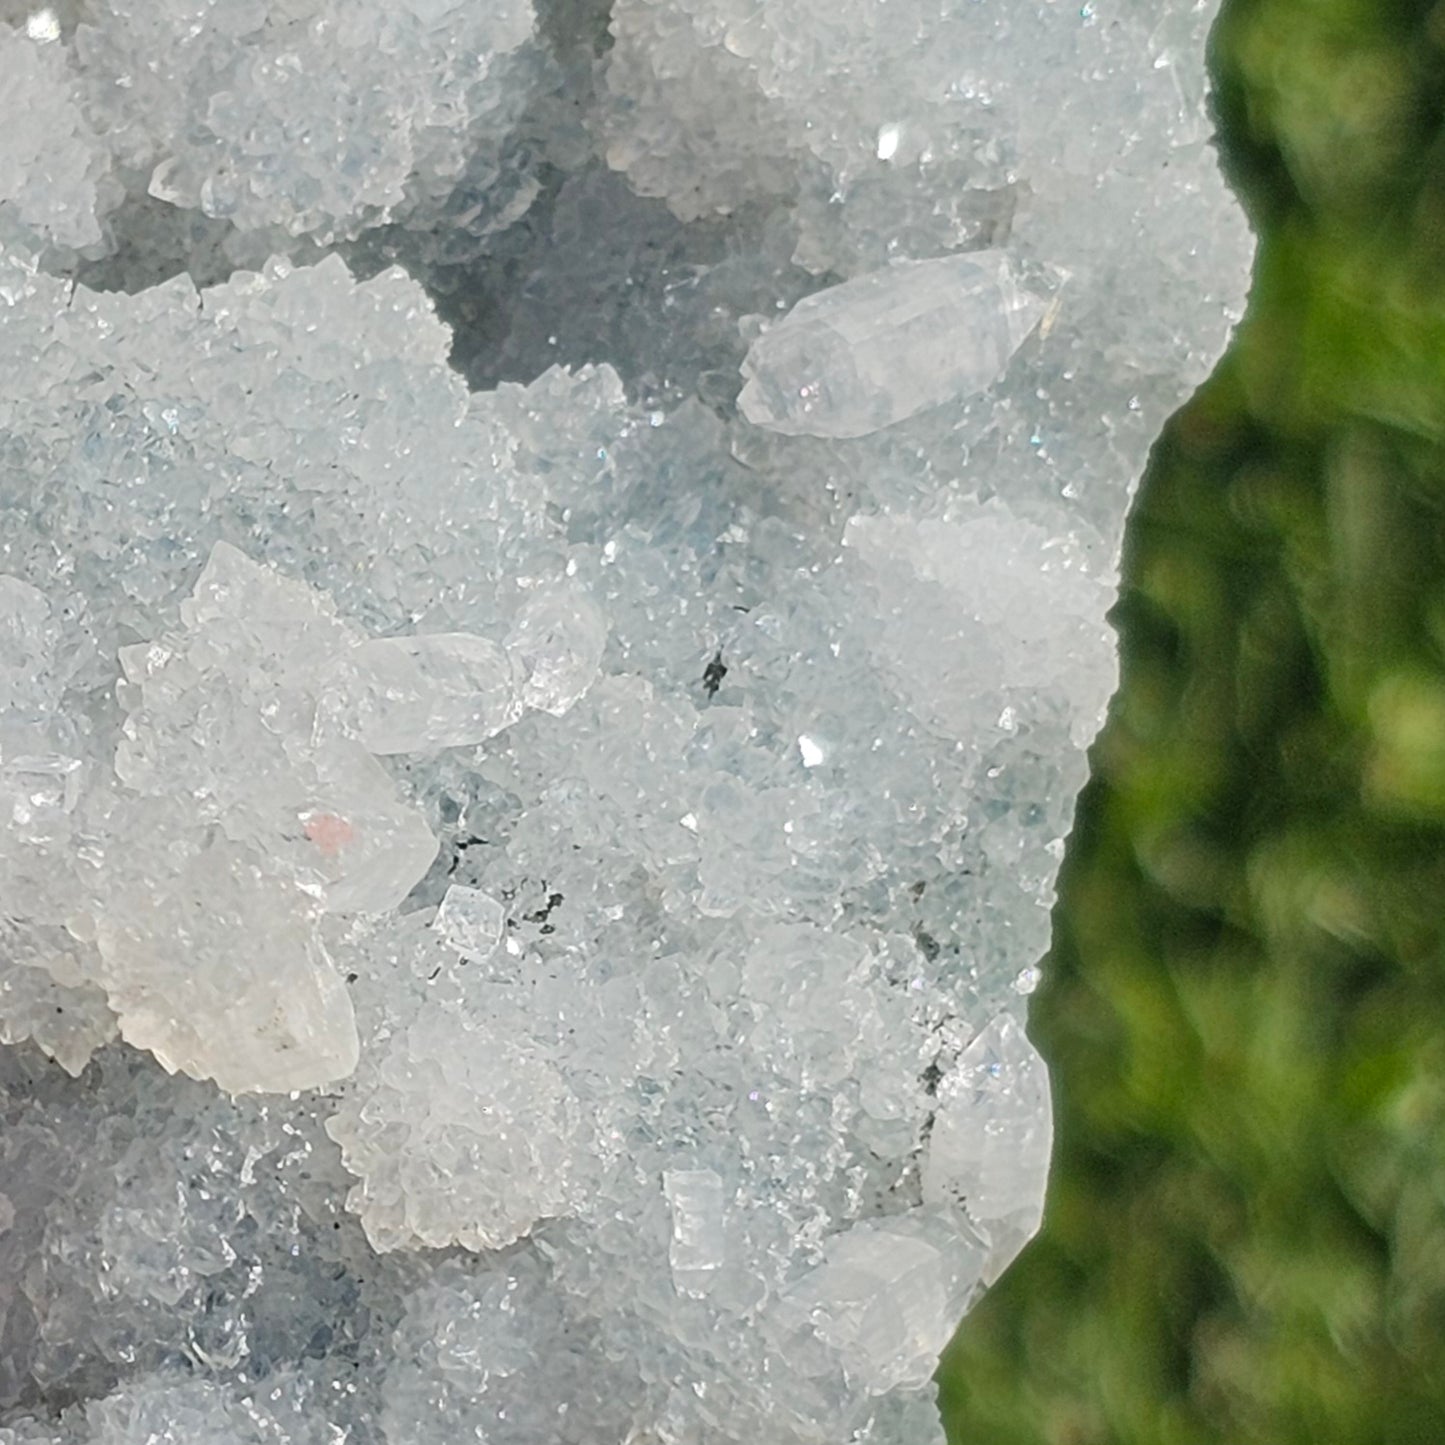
<point x="553" y="572"/>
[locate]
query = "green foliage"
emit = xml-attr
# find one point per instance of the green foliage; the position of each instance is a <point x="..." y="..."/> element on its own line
<point x="1245" y="1006"/>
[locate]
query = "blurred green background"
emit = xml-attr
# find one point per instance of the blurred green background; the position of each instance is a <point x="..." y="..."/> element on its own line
<point x="1245" y="1004"/>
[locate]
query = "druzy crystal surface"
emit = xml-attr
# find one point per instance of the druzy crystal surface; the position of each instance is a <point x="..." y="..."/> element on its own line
<point x="553" y="572"/>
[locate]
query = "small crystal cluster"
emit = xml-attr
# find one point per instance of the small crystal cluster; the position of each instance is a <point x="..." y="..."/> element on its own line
<point x="308" y="118"/>
<point x="553" y="572"/>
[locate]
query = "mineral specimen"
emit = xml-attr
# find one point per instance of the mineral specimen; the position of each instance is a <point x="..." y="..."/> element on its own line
<point x="516" y="902"/>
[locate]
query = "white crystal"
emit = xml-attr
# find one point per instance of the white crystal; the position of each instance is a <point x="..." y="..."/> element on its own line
<point x="317" y="119"/>
<point x="882" y="347"/>
<point x="987" y="608"/>
<point x="227" y="715"/>
<point x="42" y="25"/>
<point x="812" y="752"/>
<point x="175" y="1409"/>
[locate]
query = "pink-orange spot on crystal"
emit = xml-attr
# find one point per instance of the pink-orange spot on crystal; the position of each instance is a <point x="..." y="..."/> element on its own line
<point x="329" y="832"/>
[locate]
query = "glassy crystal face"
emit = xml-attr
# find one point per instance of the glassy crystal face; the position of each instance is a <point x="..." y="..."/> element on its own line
<point x="516" y="898"/>
<point x="861" y="356"/>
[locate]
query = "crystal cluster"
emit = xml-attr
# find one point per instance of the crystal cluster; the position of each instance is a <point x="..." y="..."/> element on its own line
<point x="312" y="117"/>
<point x="553" y="572"/>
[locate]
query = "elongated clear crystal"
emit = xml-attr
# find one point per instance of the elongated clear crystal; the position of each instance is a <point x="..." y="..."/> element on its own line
<point x="882" y="347"/>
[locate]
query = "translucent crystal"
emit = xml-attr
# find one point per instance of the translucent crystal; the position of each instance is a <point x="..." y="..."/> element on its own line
<point x="888" y="1294"/>
<point x="471" y="921"/>
<point x="695" y="1197"/>
<point x="417" y="694"/>
<point x="557" y="639"/>
<point x="882" y="347"/>
<point x="37" y="789"/>
<point x="29" y="633"/>
<point x="219" y="972"/>
<point x="988" y="1150"/>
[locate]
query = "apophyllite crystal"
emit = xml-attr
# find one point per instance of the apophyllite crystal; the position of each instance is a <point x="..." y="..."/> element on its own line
<point x="553" y="573"/>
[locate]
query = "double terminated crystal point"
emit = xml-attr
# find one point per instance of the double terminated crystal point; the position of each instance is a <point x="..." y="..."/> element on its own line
<point x="881" y="348"/>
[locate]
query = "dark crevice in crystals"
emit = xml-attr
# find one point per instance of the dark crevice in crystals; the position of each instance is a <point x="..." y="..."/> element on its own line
<point x="595" y="273"/>
<point x="575" y="27"/>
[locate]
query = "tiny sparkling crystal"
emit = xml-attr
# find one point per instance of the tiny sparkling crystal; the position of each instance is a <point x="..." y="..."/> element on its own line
<point x="554" y="565"/>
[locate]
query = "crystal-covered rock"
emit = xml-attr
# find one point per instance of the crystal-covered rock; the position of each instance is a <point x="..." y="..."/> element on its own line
<point x="514" y="902"/>
<point x="459" y="1128"/>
